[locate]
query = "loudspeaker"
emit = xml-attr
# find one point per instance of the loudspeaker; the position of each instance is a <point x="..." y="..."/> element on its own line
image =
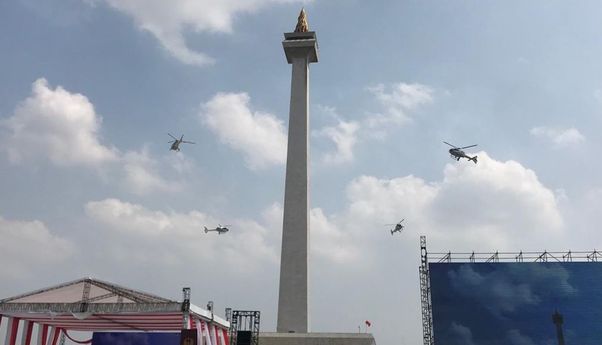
<point x="243" y="337"/>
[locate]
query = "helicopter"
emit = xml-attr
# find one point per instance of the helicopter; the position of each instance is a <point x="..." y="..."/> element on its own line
<point x="176" y="142"/>
<point x="457" y="152"/>
<point x="398" y="227"/>
<point x="220" y="229"/>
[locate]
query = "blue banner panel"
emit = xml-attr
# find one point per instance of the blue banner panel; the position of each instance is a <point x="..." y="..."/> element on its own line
<point x="135" y="338"/>
<point x="517" y="303"/>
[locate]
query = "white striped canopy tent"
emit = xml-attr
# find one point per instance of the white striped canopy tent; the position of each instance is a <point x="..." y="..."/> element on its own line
<point x="92" y="305"/>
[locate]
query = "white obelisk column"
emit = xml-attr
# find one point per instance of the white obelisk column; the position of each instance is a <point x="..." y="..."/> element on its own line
<point x="301" y="49"/>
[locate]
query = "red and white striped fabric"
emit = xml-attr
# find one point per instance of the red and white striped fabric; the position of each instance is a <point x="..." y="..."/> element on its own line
<point x="26" y="332"/>
<point x="53" y="337"/>
<point x="12" y="327"/>
<point x="220" y="337"/>
<point x="213" y="334"/>
<point x="226" y="338"/>
<point x="111" y="322"/>
<point x="42" y="335"/>
<point x="50" y="326"/>
<point x="199" y="333"/>
<point x="207" y="335"/>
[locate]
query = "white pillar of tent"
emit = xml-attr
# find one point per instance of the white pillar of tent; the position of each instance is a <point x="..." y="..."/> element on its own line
<point x="220" y="336"/>
<point x="199" y="332"/>
<point x="12" y="327"/>
<point x="26" y="332"/>
<point x="213" y="333"/>
<point x="42" y="334"/>
<point x="53" y="335"/>
<point x="206" y="332"/>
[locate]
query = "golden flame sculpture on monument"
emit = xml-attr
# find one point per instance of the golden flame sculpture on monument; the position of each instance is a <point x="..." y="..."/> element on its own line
<point x="302" y="25"/>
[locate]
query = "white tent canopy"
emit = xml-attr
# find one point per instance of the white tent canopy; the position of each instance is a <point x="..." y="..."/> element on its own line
<point x="90" y="304"/>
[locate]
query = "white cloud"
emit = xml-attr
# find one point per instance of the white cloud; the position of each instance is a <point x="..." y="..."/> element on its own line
<point x="57" y="125"/>
<point x="177" y="238"/>
<point x="344" y="136"/>
<point x="568" y="137"/>
<point x="141" y="175"/>
<point x="485" y="206"/>
<point x="397" y="101"/>
<point x="61" y="127"/>
<point x="170" y="21"/>
<point x="259" y="136"/>
<point x="26" y="245"/>
<point x="328" y="241"/>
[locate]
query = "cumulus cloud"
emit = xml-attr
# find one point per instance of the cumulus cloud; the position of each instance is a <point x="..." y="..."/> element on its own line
<point x="29" y="244"/>
<point x="259" y="136"/>
<point x="560" y="137"/>
<point x="170" y="21"/>
<point x="487" y="205"/>
<point x="141" y="175"/>
<point x="344" y="137"/>
<point x="328" y="241"/>
<point x="177" y="238"/>
<point x="62" y="128"/>
<point x="397" y="100"/>
<point x="57" y="125"/>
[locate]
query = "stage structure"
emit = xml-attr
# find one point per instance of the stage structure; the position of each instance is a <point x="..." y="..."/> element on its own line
<point x="42" y="317"/>
<point x="244" y="327"/>
<point x="483" y="297"/>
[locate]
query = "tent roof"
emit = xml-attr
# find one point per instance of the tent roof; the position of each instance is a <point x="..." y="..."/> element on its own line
<point x="92" y="304"/>
<point x="86" y="290"/>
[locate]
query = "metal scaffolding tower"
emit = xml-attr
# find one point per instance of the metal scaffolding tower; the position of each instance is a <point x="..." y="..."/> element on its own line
<point x="425" y="295"/>
<point x="244" y="327"/>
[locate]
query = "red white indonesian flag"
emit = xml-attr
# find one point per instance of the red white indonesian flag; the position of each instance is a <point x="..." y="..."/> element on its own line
<point x="368" y="323"/>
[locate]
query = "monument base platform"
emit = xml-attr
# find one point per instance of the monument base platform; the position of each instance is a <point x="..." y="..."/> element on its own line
<point x="267" y="338"/>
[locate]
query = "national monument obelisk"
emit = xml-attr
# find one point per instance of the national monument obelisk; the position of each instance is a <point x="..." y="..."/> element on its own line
<point x="301" y="49"/>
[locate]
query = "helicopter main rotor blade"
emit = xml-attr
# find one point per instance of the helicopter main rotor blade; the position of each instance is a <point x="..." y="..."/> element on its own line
<point x="187" y="142"/>
<point x="401" y="220"/>
<point x="454" y="146"/>
<point x="172" y="136"/>
<point x="465" y="147"/>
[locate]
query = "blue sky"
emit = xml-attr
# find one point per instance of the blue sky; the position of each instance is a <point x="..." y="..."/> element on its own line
<point x="89" y="90"/>
<point x="513" y="303"/>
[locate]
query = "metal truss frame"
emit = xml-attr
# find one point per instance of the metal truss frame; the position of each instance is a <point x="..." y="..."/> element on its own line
<point x="520" y="256"/>
<point x="94" y="308"/>
<point x="425" y="295"/>
<point x="245" y="320"/>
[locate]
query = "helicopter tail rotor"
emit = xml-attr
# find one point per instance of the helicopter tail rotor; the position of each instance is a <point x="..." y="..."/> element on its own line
<point x="206" y="230"/>
<point x="474" y="159"/>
